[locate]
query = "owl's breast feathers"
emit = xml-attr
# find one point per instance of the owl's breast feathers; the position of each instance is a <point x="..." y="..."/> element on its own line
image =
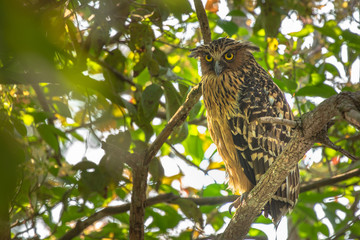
<point x="234" y="101"/>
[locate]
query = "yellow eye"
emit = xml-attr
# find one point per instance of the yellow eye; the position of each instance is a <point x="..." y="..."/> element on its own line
<point x="229" y="56"/>
<point x="208" y="58"/>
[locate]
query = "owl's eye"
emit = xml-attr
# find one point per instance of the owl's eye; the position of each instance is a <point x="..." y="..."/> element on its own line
<point x="229" y="56"/>
<point x="208" y="58"/>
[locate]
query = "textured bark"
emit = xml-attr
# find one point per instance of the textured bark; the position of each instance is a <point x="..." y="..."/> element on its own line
<point x="312" y="124"/>
<point x="203" y="21"/>
<point x="138" y="197"/>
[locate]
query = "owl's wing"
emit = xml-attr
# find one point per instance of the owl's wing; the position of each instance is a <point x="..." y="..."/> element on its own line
<point x="258" y="145"/>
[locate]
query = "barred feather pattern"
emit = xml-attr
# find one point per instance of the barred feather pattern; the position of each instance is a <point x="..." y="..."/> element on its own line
<point x="235" y="99"/>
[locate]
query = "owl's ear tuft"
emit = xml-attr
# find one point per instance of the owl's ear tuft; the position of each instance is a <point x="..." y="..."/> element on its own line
<point x="249" y="46"/>
<point x="195" y="52"/>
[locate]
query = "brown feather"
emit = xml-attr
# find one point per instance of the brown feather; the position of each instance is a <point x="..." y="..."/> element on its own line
<point x="235" y="99"/>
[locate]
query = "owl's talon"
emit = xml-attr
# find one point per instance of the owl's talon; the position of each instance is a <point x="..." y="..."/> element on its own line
<point x="237" y="203"/>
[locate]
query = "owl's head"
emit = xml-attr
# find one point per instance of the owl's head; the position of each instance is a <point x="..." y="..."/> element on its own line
<point x="223" y="55"/>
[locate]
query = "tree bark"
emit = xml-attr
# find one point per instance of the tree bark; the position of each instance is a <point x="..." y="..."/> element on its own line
<point x="312" y="125"/>
<point x="137" y="207"/>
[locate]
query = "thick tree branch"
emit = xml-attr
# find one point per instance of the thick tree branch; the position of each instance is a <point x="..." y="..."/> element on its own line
<point x="303" y="138"/>
<point x="138" y="198"/>
<point x="203" y="21"/>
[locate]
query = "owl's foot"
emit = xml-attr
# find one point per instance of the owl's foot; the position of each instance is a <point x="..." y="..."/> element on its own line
<point x="237" y="203"/>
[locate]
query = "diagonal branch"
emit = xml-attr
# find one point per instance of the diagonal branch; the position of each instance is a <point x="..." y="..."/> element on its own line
<point x="178" y="119"/>
<point x="303" y="139"/>
<point x="329" y="181"/>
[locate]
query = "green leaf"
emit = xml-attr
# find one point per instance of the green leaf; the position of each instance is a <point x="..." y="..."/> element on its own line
<point x="47" y="134"/>
<point x="150" y="100"/>
<point x="141" y="36"/>
<point x="178" y="7"/>
<point x="77" y="136"/>
<point x="316" y="197"/>
<point x="331" y="69"/>
<point x="195" y="111"/>
<point x="242" y="32"/>
<point x="321" y="90"/>
<point x="228" y="26"/>
<point x="160" y="57"/>
<point x="330" y="29"/>
<point x="237" y="13"/>
<point x="173" y="99"/>
<point x="213" y="190"/>
<point x="303" y="32"/>
<point x="353" y="39"/>
<point x="169" y="219"/>
<point x="19" y="126"/>
<point x="193" y="147"/>
<point x="84" y="165"/>
<point x="215" y="219"/>
<point x="153" y="67"/>
<point x="307" y="211"/>
<point x="317" y="78"/>
<point x="190" y="209"/>
<point x="121" y="140"/>
<point x="179" y="134"/>
<point x="322" y="228"/>
<point x="157" y="171"/>
<point x="72" y="213"/>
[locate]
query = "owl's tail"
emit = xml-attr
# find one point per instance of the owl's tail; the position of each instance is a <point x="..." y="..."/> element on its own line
<point x="285" y="197"/>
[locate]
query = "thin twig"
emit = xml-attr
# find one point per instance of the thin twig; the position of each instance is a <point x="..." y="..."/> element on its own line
<point x="323" y="138"/>
<point x="342" y="231"/>
<point x="181" y="156"/>
<point x="353" y="117"/>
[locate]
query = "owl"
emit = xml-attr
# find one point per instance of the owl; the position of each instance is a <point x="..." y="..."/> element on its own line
<point x="237" y="91"/>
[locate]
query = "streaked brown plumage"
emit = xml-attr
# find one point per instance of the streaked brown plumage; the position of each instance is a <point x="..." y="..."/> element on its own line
<point x="237" y="91"/>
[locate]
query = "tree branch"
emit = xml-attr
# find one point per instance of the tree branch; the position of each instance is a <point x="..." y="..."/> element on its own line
<point x="203" y="21"/>
<point x="329" y="181"/>
<point x="140" y="172"/>
<point x="276" y="120"/>
<point x="178" y="119"/>
<point x="303" y="138"/>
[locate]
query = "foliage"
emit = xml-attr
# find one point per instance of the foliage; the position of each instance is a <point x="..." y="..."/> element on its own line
<point x="79" y="76"/>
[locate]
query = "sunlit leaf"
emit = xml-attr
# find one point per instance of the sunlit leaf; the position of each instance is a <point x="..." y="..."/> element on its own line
<point x="46" y="132"/>
<point x="228" y="26"/>
<point x="303" y="32"/>
<point x="150" y="100"/>
<point x="321" y="90"/>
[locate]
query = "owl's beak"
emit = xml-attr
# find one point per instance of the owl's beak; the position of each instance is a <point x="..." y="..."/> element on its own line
<point x="218" y="68"/>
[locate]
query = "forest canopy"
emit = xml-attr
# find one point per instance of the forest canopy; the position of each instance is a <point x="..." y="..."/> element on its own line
<point x="88" y="90"/>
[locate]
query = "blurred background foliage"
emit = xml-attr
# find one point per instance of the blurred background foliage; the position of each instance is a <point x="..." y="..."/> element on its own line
<point x="80" y="75"/>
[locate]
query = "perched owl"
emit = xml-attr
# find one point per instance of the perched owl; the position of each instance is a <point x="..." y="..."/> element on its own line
<point x="237" y="91"/>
